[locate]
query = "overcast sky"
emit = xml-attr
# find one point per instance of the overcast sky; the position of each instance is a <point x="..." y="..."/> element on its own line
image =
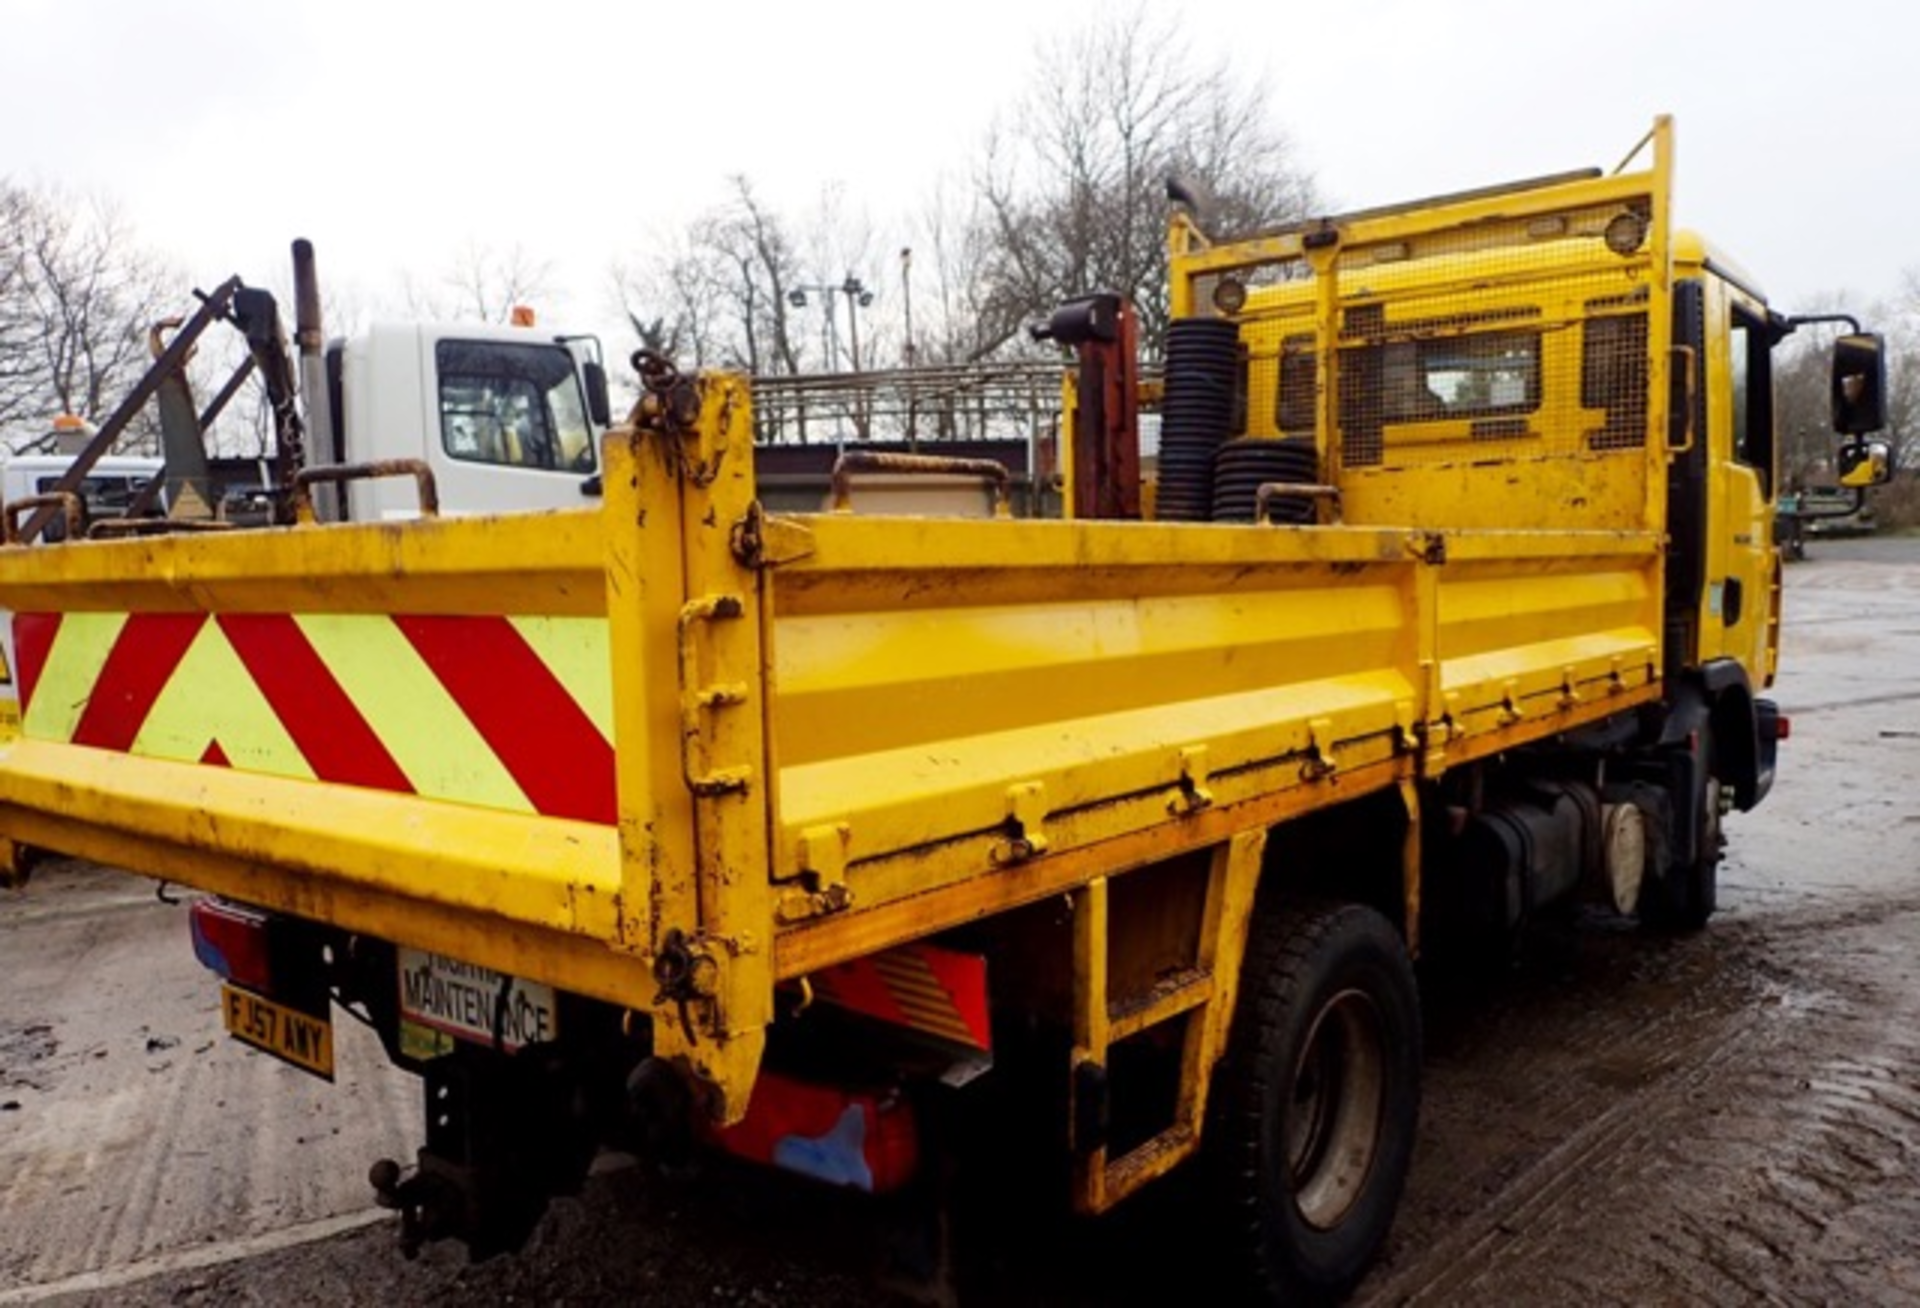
<point x="392" y="134"/>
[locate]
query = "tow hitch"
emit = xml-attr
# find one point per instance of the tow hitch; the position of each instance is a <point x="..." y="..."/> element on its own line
<point x="505" y="1133"/>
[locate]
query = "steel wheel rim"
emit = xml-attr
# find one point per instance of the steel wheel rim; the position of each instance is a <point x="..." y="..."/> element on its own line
<point x="1334" y="1107"/>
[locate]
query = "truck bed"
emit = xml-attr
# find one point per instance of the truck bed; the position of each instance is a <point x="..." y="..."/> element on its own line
<point x="411" y="730"/>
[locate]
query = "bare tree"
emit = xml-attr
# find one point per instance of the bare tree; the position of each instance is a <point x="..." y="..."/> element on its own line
<point x="1073" y="182"/>
<point x="960" y="315"/>
<point x="1902" y="318"/>
<point x="669" y="300"/>
<point x="1066" y="196"/>
<point x="722" y="293"/>
<point x="750" y="245"/>
<point x="483" y="284"/>
<point x="1801" y="421"/>
<point x="21" y="401"/>
<point x="79" y="296"/>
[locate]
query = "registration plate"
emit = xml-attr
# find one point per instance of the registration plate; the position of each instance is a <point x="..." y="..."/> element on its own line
<point x="474" y="1003"/>
<point x="288" y="1034"/>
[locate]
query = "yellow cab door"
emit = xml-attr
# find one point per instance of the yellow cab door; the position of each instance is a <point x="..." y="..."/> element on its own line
<point x="1738" y="617"/>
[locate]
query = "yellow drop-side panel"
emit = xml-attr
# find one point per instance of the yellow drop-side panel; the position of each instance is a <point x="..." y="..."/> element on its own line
<point x="930" y="673"/>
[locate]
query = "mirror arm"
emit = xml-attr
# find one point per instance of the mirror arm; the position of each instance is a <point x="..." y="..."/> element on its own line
<point x="1830" y="510"/>
<point x="1786" y="325"/>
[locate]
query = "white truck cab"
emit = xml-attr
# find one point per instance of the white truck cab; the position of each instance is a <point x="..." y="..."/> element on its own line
<point x="507" y="418"/>
<point x="108" y="489"/>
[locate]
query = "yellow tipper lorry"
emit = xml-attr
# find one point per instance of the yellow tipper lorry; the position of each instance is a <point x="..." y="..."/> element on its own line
<point x="674" y="820"/>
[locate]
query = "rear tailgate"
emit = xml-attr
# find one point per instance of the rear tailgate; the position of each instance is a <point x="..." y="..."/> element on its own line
<point x="413" y="730"/>
<point x="403" y="730"/>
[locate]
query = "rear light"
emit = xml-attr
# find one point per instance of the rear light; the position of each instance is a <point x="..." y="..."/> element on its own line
<point x="230" y="940"/>
<point x="1782" y="727"/>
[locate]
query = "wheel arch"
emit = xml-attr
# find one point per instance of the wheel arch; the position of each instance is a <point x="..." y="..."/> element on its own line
<point x="1349" y="852"/>
<point x="1718" y="698"/>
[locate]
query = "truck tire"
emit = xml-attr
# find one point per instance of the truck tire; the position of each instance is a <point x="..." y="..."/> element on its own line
<point x="1316" y="1100"/>
<point x="1684" y="897"/>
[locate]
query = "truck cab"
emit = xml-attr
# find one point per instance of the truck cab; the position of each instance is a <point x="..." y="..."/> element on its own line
<point x="505" y="418"/>
<point x="1723" y="578"/>
<point x="108" y="490"/>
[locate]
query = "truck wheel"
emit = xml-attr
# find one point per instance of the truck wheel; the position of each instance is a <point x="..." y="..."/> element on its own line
<point x="1686" y="894"/>
<point x="1317" y="1098"/>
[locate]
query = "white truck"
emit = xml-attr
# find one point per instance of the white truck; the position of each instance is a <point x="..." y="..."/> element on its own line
<point x="504" y="418"/>
<point x="479" y="418"/>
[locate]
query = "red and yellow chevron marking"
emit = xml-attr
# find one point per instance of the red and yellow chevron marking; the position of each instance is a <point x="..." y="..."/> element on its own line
<point x="505" y="712"/>
<point x="940" y="991"/>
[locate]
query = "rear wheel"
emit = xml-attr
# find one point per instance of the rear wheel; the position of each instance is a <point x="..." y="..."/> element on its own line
<point x="1317" y="1099"/>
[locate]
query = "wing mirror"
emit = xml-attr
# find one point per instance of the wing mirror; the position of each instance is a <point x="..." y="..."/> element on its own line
<point x="1859" y="385"/>
<point x="599" y="405"/>
<point x="1860" y="464"/>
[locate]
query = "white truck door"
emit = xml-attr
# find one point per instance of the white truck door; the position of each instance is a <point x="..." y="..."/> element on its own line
<point x="508" y="428"/>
